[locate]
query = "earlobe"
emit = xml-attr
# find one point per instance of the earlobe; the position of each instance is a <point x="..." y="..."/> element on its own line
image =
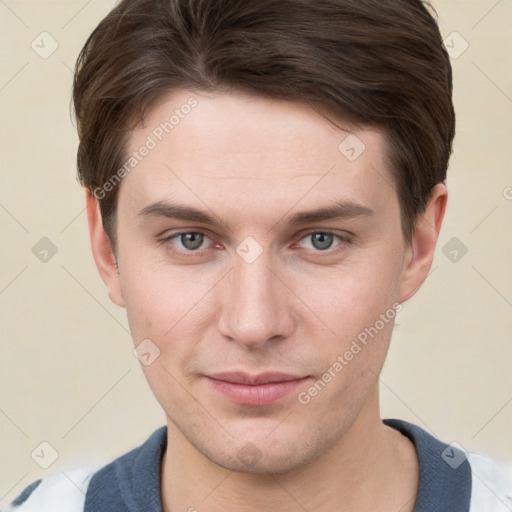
<point x="420" y="253"/>
<point x="102" y="250"/>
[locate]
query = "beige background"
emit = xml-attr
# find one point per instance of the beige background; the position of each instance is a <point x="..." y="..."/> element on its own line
<point x="68" y="375"/>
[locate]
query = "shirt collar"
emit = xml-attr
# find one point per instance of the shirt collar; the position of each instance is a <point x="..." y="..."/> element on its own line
<point x="132" y="482"/>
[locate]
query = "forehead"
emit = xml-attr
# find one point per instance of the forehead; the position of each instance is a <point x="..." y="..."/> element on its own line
<point x="245" y="149"/>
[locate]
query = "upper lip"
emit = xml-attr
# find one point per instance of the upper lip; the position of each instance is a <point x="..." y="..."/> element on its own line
<point x="253" y="380"/>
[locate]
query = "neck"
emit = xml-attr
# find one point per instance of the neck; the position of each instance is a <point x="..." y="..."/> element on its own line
<point x="372" y="467"/>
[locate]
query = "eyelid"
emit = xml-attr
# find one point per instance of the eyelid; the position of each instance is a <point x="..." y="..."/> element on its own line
<point x="327" y="231"/>
<point x="344" y="238"/>
<point x="171" y="236"/>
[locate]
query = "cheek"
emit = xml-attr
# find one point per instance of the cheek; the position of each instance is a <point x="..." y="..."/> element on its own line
<point x="358" y="304"/>
<point x="170" y="310"/>
<point x="354" y="296"/>
<point x="160" y="301"/>
<point x="156" y="294"/>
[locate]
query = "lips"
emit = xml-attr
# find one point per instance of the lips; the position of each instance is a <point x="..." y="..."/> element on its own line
<point x="254" y="380"/>
<point x="256" y="390"/>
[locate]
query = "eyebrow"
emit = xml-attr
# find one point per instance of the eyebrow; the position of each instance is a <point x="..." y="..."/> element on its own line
<point x="338" y="211"/>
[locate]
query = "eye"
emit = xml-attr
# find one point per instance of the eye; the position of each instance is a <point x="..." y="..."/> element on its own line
<point x="321" y="240"/>
<point x="188" y="241"/>
<point x="191" y="241"/>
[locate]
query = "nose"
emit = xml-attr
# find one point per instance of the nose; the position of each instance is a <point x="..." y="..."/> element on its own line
<point x="256" y="306"/>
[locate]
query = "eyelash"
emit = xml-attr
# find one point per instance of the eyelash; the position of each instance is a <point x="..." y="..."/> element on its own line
<point x="344" y="240"/>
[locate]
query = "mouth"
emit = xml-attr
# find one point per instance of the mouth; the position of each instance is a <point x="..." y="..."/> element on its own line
<point x="256" y="390"/>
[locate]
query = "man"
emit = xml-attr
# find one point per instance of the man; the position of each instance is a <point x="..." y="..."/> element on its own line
<point x="265" y="188"/>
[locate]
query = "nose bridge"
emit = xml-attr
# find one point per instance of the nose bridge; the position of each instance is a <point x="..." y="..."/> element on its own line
<point x="255" y="309"/>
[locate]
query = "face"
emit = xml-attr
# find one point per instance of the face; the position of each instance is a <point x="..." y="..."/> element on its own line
<point x="254" y="253"/>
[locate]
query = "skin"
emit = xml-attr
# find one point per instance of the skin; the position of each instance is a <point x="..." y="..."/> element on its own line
<point x="252" y="163"/>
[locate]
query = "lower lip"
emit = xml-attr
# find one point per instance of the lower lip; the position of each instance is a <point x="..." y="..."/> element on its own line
<point x="261" y="394"/>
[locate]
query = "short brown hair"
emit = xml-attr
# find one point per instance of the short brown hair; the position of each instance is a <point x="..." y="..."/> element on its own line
<point x="369" y="61"/>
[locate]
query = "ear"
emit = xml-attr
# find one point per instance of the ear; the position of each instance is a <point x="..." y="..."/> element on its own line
<point x="102" y="250"/>
<point x="420" y="252"/>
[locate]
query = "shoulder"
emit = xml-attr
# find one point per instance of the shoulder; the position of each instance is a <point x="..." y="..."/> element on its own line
<point x="491" y="484"/>
<point x="64" y="491"/>
<point x="453" y="478"/>
<point x="132" y="478"/>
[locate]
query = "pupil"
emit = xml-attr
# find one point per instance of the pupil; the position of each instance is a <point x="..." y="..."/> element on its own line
<point x="322" y="240"/>
<point x="192" y="240"/>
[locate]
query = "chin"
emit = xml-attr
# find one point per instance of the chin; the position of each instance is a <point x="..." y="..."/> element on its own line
<point x="264" y="465"/>
<point x="275" y="457"/>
